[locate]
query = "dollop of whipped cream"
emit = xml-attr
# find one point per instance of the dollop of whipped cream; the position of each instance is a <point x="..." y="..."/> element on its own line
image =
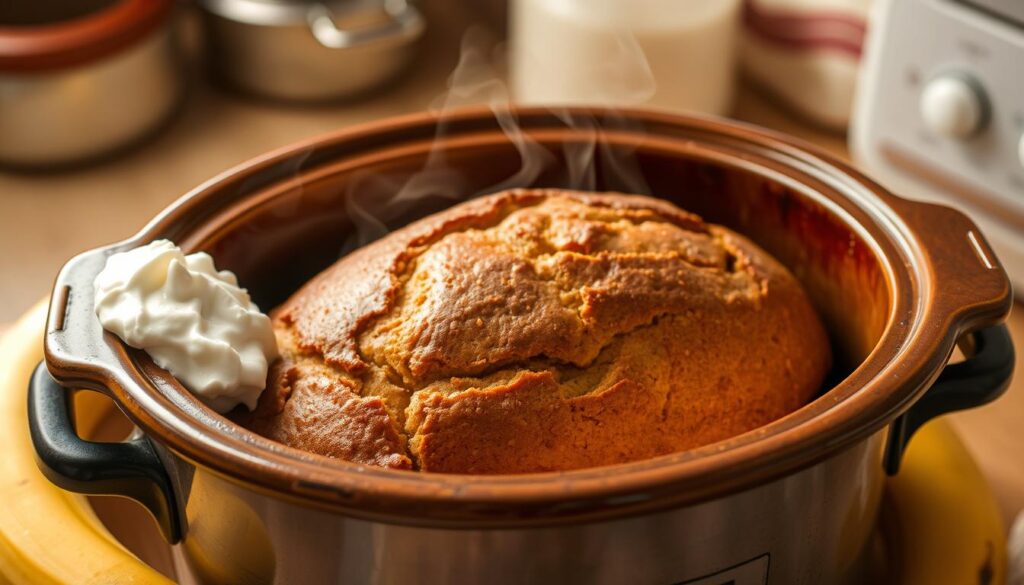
<point x="193" y="320"/>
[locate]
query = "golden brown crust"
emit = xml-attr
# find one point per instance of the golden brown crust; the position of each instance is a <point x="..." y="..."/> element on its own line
<point x="541" y="330"/>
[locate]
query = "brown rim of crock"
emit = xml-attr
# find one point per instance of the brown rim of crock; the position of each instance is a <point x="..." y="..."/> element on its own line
<point x="920" y="246"/>
<point x="63" y="44"/>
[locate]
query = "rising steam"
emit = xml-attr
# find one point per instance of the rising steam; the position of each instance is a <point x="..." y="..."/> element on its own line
<point x="375" y="200"/>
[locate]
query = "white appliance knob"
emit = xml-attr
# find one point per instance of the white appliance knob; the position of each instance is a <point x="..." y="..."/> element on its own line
<point x="953" y="106"/>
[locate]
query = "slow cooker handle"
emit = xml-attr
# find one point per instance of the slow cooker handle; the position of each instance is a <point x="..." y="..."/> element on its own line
<point x="979" y="379"/>
<point x="972" y="289"/>
<point x="131" y="469"/>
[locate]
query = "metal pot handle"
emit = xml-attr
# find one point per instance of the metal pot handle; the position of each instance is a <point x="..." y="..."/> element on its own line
<point x="131" y="469"/>
<point x="79" y="354"/>
<point x="979" y="379"/>
<point x="404" y="21"/>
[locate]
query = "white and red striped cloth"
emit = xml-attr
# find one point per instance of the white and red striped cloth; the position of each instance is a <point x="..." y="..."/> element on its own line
<point x="806" y="53"/>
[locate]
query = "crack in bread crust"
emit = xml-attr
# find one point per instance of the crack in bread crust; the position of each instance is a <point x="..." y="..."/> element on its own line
<point x="548" y="307"/>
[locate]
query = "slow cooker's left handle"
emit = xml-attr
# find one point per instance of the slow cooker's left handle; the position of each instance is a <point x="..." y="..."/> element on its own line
<point x="981" y="378"/>
<point x="131" y="469"/>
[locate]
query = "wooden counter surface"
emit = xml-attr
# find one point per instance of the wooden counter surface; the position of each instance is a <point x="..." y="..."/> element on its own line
<point x="45" y="218"/>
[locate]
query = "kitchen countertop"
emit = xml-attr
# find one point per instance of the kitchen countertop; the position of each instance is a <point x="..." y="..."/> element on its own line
<point x="48" y="217"/>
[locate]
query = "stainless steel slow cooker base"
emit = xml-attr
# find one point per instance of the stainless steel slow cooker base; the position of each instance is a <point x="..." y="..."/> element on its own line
<point x="810" y="527"/>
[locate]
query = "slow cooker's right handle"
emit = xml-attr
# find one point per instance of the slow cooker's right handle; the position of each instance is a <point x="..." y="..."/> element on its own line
<point x="981" y="378"/>
<point x="131" y="468"/>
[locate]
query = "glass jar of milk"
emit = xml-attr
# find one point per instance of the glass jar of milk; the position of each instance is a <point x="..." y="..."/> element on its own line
<point x="673" y="54"/>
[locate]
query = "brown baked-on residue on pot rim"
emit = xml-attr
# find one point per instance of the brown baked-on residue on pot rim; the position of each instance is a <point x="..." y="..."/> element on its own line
<point x="541" y="330"/>
<point x="922" y="251"/>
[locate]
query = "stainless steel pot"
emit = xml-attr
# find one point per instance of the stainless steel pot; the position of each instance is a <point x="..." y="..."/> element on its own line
<point x="310" y="50"/>
<point x="81" y="79"/>
<point x="897" y="283"/>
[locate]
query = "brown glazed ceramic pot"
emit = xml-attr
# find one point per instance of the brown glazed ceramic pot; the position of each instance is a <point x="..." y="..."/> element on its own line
<point x="897" y="283"/>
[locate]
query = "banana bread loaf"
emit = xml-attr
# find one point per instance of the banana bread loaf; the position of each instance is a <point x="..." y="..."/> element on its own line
<point x="539" y="330"/>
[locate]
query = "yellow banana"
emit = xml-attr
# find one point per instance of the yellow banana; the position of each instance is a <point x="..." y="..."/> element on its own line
<point x="942" y="522"/>
<point x="47" y="536"/>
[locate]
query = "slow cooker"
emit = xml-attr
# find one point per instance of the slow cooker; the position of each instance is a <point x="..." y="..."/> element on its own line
<point x="897" y="283"/>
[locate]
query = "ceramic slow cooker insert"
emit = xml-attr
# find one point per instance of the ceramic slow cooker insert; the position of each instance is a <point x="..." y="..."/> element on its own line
<point x="897" y="284"/>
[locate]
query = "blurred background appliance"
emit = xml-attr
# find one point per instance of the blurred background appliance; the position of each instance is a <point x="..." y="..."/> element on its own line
<point x="625" y="52"/>
<point x="81" y="78"/>
<point x="940" y="111"/>
<point x="304" y="50"/>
